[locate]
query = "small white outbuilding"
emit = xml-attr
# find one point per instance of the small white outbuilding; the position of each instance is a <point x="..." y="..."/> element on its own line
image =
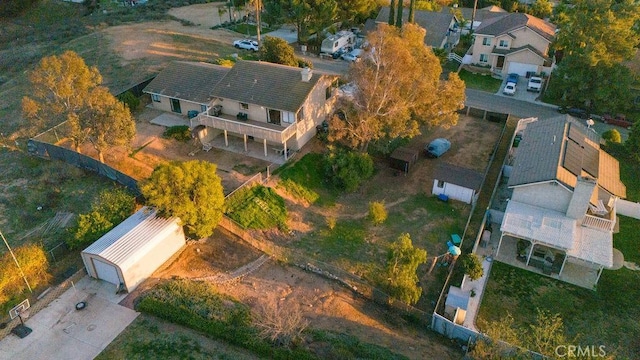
<point x="134" y="249"/>
<point x="457" y="183"/>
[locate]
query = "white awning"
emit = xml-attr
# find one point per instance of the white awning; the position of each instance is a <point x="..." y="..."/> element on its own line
<point x="551" y="228"/>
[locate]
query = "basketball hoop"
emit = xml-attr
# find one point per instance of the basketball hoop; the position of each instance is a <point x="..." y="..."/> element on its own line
<point x="21" y="311"/>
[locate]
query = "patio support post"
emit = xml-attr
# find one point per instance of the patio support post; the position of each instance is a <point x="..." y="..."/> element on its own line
<point x="226" y="140"/>
<point x="562" y="267"/>
<point x="264" y="142"/>
<point x="244" y="136"/>
<point x="599" y="273"/>
<point x="530" y="252"/>
<point x="285" y="151"/>
<point x="499" y="243"/>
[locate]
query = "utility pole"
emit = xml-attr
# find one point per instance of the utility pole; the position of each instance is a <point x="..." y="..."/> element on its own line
<point x="16" y="261"/>
<point x="473" y="15"/>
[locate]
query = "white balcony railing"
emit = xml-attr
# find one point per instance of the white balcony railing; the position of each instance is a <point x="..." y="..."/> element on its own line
<point x="259" y="130"/>
<point x="599" y="223"/>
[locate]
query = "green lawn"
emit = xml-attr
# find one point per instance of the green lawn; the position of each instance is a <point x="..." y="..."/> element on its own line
<point x="250" y="29"/>
<point x="480" y="82"/>
<point x="607" y="316"/>
<point x="305" y="179"/>
<point x="257" y="207"/>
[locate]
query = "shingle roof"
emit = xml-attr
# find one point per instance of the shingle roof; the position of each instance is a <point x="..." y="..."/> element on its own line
<point x="436" y="23"/>
<point x="518" y="49"/>
<point x="190" y="81"/>
<point x="481" y="14"/>
<point x="457" y="175"/>
<point x="502" y="25"/>
<point x="275" y="86"/>
<point x="562" y="149"/>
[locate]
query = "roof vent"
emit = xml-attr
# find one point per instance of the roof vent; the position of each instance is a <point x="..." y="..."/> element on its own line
<point x="306" y="74"/>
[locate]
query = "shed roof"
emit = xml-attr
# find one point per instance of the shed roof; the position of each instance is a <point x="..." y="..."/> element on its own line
<point x="457" y="175"/>
<point x="405" y="154"/>
<point x="261" y="83"/>
<point x="122" y="242"/>
<point x="191" y="81"/>
<point x="436" y="23"/>
<point x="457" y="298"/>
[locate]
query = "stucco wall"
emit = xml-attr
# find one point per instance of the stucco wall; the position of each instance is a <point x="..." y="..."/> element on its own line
<point x="185" y="106"/>
<point x="547" y="195"/>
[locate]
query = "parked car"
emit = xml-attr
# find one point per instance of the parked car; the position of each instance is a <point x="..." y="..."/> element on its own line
<point x="338" y="54"/>
<point x="535" y="84"/>
<point x="509" y="89"/>
<point x="513" y="78"/>
<point x="437" y="147"/>
<point x="354" y="55"/>
<point x="618" y="120"/>
<point x="246" y="44"/>
<point x="573" y="111"/>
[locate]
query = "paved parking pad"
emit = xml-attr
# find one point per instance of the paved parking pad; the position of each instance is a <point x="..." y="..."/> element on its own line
<point x="62" y="332"/>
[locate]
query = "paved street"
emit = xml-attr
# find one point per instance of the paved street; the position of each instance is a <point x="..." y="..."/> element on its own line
<point x="502" y="104"/>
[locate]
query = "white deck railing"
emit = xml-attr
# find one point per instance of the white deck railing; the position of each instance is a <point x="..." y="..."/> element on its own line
<point x="599" y="223"/>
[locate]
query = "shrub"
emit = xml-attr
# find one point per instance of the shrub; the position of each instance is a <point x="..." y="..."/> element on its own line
<point x="612" y="136"/>
<point x="348" y="169"/>
<point x="180" y="133"/>
<point x="33" y="263"/>
<point x="377" y="212"/>
<point x="472" y="266"/>
<point x="130" y="100"/>
<point x="331" y="222"/>
<point x="111" y="208"/>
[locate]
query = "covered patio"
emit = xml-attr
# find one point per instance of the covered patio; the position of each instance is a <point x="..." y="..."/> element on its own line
<point x="549" y="243"/>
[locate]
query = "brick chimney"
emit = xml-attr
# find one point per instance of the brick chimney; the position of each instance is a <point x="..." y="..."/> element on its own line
<point x="306" y="74"/>
<point x="580" y="199"/>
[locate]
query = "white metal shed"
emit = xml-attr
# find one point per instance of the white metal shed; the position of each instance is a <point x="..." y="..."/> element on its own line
<point x="134" y="249"/>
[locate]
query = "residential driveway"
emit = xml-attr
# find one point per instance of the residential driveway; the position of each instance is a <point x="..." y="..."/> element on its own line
<point x="62" y="332"/>
<point x="286" y="32"/>
<point x="521" y="91"/>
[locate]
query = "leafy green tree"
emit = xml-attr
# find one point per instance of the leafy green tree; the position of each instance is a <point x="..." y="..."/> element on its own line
<point x="402" y="264"/>
<point x="111" y="208"/>
<point x="612" y="136"/>
<point x="541" y="9"/>
<point x="392" y="13"/>
<point x="308" y="16"/>
<point x="398" y="89"/>
<point x="33" y="263"/>
<point x="599" y="31"/>
<point x="190" y="190"/>
<point x="399" y="14"/>
<point x="278" y="51"/>
<point x="60" y="89"/>
<point x="129" y="99"/>
<point x="377" y="212"/>
<point x="64" y="88"/>
<point x="12" y="8"/>
<point x="501" y="338"/>
<point x="348" y="169"/>
<point x="632" y="144"/>
<point x="107" y="122"/>
<point x="472" y="266"/>
<point x="356" y="11"/>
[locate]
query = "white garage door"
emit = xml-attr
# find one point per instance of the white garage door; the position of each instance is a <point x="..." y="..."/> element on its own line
<point x="522" y="68"/>
<point x="106" y="272"/>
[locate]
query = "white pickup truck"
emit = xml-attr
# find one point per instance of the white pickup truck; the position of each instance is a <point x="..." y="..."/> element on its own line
<point x="535" y="84"/>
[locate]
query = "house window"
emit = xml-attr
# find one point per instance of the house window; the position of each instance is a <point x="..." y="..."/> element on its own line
<point x="288" y="117"/>
<point x="504" y="43"/>
<point x="175" y="106"/>
<point x="274" y="116"/>
<point x="244" y="106"/>
<point x="155" y="97"/>
<point x="203" y="108"/>
<point x="486" y="41"/>
<point x="440" y="184"/>
<point x="484" y="58"/>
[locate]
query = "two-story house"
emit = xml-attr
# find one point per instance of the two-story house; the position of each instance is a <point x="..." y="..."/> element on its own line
<point x="561" y="216"/>
<point x="442" y="27"/>
<point x="278" y="106"/>
<point x="514" y="43"/>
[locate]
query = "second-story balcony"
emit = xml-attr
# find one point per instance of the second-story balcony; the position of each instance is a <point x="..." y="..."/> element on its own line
<point x="273" y="133"/>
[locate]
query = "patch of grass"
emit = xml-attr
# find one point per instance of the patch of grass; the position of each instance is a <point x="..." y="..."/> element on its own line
<point x="343" y="346"/>
<point x="480" y="82"/>
<point x="246" y="170"/>
<point x="305" y="179"/>
<point x="257" y="207"/>
<point x="250" y="29"/>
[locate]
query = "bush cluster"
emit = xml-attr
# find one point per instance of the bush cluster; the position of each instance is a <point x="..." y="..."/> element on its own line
<point x="180" y="133"/>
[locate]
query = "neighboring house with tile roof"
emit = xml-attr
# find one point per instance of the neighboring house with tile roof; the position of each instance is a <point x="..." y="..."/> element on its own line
<point x="442" y="27"/>
<point x="456" y="182"/>
<point x="276" y="105"/>
<point x="513" y="43"/>
<point x="562" y="212"/>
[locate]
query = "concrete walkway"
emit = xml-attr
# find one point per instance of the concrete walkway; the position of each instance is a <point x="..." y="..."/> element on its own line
<point x="60" y="332"/>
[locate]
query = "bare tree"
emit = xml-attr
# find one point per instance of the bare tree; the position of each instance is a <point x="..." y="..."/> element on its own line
<point x="279" y="323"/>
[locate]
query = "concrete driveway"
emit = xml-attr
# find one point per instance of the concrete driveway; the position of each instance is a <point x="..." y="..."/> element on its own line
<point x="521" y="91"/>
<point x="62" y="332"/>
